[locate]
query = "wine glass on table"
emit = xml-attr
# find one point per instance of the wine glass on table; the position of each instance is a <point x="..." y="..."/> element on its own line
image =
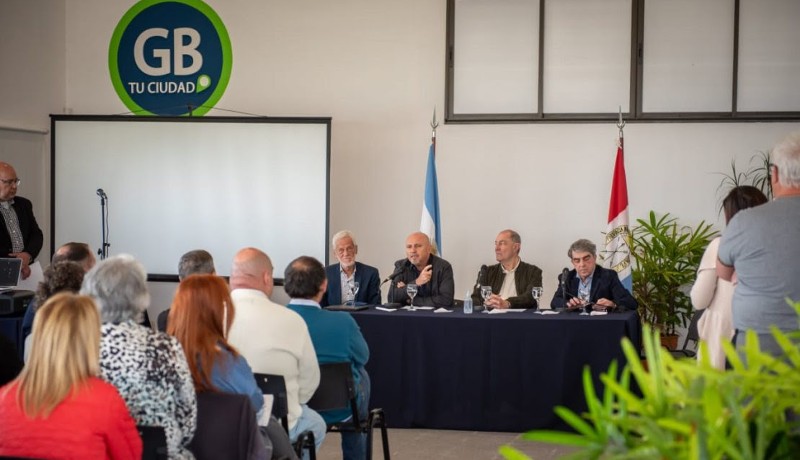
<point x="352" y="290"/>
<point x="411" y="290"/>
<point x="584" y="298"/>
<point x="486" y="292"/>
<point x="537" y="292"/>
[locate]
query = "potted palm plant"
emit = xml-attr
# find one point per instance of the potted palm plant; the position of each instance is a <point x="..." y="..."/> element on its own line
<point x="666" y="255"/>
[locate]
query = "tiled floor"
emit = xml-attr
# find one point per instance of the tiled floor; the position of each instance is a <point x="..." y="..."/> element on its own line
<point x="408" y="444"/>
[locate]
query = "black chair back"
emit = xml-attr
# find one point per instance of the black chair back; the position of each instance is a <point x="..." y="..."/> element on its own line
<point x="154" y="442"/>
<point x="336" y="389"/>
<point x="226" y="428"/>
<point x="275" y="385"/>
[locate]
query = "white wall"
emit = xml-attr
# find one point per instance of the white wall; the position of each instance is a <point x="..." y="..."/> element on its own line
<point x="377" y="68"/>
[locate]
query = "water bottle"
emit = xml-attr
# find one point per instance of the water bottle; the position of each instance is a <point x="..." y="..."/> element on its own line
<point x="467" y="304"/>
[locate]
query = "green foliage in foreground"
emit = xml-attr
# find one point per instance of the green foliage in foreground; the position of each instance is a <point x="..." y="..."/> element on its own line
<point x="688" y="409"/>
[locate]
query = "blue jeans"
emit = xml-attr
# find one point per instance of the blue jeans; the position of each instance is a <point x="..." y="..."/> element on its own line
<point x="354" y="445"/>
<point x="309" y="421"/>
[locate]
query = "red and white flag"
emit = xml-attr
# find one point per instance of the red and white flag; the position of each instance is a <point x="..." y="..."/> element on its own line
<point x="618" y="235"/>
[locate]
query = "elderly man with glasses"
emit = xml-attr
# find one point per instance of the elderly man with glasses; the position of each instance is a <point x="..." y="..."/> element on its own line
<point x="348" y="276"/>
<point x="20" y="235"/>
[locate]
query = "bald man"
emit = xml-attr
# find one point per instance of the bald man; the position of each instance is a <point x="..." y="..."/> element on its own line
<point x="20" y="235"/>
<point x="432" y="275"/>
<point x="274" y="339"/>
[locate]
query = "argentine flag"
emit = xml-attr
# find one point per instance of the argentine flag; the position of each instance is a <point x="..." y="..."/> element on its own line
<point x="430" y="224"/>
<point x="618" y="235"/>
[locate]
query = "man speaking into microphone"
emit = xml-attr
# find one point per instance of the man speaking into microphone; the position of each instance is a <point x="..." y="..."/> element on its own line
<point x="601" y="286"/>
<point x="432" y="275"/>
<point x="511" y="279"/>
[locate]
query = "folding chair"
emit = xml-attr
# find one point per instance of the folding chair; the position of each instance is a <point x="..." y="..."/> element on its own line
<point x="275" y="385"/>
<point x="154" y="442"/>
<point x="337" y="391"/>
<point x="691" y="334"/>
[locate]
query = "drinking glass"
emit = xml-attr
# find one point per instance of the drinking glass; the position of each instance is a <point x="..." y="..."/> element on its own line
<point x="584" y="297"/>
<point x="537" y="292"/>
<point x="486" y="292"/>
<point x="352" y="290"/>
<point x="411" y="290"/>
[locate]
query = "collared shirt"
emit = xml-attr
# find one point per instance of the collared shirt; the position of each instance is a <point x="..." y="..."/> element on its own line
<point x="12" y="225"/>
<point x="585" y="286"/>
<point x="306" y="302"/>
<point x="509" y="288"/>
<point x="346" y="280"/>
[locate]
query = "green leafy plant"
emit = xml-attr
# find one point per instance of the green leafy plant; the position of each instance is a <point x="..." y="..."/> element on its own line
<point x="666" y="255"/>
<point x="687" y="409"/>
<point x="757" y="174"/>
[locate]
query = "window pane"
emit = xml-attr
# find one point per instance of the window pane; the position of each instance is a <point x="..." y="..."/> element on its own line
<point x="587" y="56"/>
<point x="496" y="56"/>
<point x="688" y="56"/>
<point x="769" y="55"/>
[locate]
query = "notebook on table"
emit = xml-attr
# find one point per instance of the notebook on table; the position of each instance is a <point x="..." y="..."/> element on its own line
<point x="10" y="269"/>
<point x="346" y="307"/>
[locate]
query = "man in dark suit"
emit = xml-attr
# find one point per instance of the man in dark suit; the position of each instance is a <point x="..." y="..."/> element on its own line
<point x="600" y="285"/>
<point x="511" y="279"/>
<point x="347" y="271"/>
<point x="20" y="235"/>
<point x="196" y="262"/>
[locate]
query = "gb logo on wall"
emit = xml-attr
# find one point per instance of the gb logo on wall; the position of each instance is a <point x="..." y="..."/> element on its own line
<point x="170" y="57"/>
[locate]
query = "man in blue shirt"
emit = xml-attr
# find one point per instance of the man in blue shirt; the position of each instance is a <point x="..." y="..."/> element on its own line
<point x="336" y="338"/>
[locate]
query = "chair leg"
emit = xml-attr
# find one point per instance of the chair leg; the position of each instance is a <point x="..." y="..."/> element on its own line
<point x="377" y="418"/>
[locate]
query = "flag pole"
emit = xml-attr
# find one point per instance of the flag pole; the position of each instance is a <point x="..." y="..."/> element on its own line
<point x="434" y="125"/>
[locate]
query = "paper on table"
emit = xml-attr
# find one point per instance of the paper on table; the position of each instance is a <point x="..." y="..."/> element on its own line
<point x="442" y="310"/>
<point x="516" y="310"/>
<point x="417" y="308"/>
<point x="497" y="311"/>
<point x="385" y="309"/>
<point x="546" y="312"/>
<point x="598" y="313"/>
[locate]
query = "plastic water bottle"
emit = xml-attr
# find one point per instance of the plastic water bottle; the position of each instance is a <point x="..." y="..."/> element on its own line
<point x="467" y="304"/>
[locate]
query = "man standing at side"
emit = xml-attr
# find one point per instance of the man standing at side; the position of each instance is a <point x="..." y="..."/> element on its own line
<point x="348" y="271"/>
<point x="601" y="285"/>
<point x="197" y="262"/>
<point x="511" y="279"/>
<point x="20" y="235"/>
<point x="274" y="339"/>
<point x="761" y="245"/>
<point x="432" y="275"/>
<point x="336" y="338"/>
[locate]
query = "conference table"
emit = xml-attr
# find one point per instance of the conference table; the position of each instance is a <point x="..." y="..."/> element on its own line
<point x="487" y="372"/>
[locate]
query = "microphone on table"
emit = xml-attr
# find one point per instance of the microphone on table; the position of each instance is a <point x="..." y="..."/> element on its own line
<point x="481" y="276"/>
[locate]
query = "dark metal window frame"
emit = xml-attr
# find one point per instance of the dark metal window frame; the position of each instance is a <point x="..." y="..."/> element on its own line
<point x="636" y="79"/>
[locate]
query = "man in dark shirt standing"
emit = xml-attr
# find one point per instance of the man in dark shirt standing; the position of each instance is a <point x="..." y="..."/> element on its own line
<point x="432" y="275"/>
<point x="20" y="235"/>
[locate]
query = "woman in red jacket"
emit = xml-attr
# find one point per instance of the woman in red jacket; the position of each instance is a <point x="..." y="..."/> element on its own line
<point x="57" y="408"/>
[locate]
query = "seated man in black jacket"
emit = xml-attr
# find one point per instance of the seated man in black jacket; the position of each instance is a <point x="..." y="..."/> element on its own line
<point x="511" y="279"/>
<point x="432" y="275"/>
<point x="599" y="285"/>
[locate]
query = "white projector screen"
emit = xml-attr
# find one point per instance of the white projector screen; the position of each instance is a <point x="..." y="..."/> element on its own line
<point x="177" y="184"/>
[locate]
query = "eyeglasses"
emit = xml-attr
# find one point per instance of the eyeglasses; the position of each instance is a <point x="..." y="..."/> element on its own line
<point x="11" y="181"/>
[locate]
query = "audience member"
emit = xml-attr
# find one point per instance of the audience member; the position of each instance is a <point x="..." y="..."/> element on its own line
<point x="347" y="272"/>
<point x="432" y="275"/>
<point x="70" y="252"/>
<point x="336" y="338"/>
<point x="20" y="236"/>
<point x="58" y="407"/>
<point x="148" y="368"/>
<point x="600" y="285"/>
<point x="714" y="294"/>
<point x="274" y="339"/>
<point x="59" y="277"/>
<point x="194" y="262"/>
<point x="511" y="279"/>
<point x="200" y="318"/>
<point x="760" y="244"/>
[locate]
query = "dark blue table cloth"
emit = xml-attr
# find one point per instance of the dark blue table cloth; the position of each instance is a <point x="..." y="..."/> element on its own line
<point x="487" y="372"/>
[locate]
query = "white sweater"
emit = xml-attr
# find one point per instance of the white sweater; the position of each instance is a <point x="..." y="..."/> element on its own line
<point x="275" y="340"/>
<point x="716" y="296"/>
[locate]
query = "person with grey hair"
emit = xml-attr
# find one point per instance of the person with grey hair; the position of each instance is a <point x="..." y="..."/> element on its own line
<point x="511" y="279"/>
<point x="760" y="244"/>
<point x="590" y="284"/>
<point x="342" y="276"/>
<point x="196" y="262"/>
<point x="148" y="368"/>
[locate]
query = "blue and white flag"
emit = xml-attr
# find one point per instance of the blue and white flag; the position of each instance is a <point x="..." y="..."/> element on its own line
<point x="430" y="224"/>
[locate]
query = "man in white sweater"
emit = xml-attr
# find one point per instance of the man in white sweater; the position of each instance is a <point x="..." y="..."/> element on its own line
<point x="274" y="339"/>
